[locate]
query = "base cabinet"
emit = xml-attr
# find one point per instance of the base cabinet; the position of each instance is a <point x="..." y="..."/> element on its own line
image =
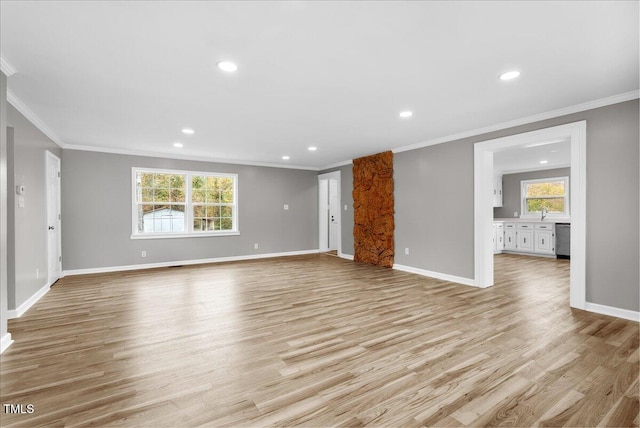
<point x="510" y="239"/>
<point x="525" y="240"/>
<point x="532" y="238"/>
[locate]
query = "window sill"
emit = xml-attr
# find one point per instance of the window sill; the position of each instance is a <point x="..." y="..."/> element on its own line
<point x="184" y="235"/>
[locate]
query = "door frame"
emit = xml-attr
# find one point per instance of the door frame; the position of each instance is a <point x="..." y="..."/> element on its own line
<point x="483" y="207"/>
<point x="50" y="156"/>
<point x="323" y="245"/>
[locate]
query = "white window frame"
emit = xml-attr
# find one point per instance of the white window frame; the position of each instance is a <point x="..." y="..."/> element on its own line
<point x="536" y="214"/>
<point x="188" y="204"/>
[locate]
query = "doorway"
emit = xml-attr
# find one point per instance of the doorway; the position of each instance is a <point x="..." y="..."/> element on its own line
<point x="329" y="213"/>
<point x="483" y="204"/>
<point x="54" y="236"/>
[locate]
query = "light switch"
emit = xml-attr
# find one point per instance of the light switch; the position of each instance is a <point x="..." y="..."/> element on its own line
<point x="20" y="201"/>
<point x="286" y="207"/>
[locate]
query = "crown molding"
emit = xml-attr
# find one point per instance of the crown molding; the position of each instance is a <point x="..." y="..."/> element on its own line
<point x="7" y="68"/>
<point x="33" y="118"/>
<point x="336" y="165"/>
<point x="148" y="154"/>
<point x="590" y="105"/>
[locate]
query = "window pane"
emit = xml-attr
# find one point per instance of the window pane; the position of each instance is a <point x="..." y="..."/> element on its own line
<point x="144" y="179"/>
<point x="197" y="224"/>
<point x="161" y="181"/>
<point x="213" y="211"/>
<point x="199" y="211"/>
<point x="198" y="196"/>
<point x="226" y="190"/>
<point x="552" y="204"/>
<point x="552" y="188"/>
<point x="226" y="211"/>
<point x="198" y="182"/>
<point x="213" y="196"/>
<point x="213" y="224"/>
<point x="212" y="183"/>
<point x="146" y="195"/>
<point x="226" y="224"/>
<point x="176" y="181"/>
<point x="177" y="195"/>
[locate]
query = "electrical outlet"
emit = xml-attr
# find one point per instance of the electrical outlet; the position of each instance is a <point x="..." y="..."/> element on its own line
<point x="345" y="207"/>
<point x="37" y="273"/>
<point x="144" y="254"/>
<point x="515" y="213"/>
<point x="255" y="246"/>
<point x="286" y="207"/>
<point x="406" y="251"/>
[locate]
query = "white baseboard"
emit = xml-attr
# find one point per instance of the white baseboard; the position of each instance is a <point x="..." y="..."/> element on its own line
<point x="24" y="307"/>
<point x="437" y="275"/>
<point x="612" y="311"/>
<point x="5" y="342"/>
<point x="346" y="256"/>
<point x="185" y="262"/>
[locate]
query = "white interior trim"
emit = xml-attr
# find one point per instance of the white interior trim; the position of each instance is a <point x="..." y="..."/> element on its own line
<point x="24" y="307"/>
<point x="33" y="118"/>
<point x="615" y="99"/>
<point x="437" y="275"/>
<point x="199" y="158"/>
<point x="108" y="269"/>
<point x="346" y="256"/>
<point x="6" y="67"/>
<point x="483" y="208"/>
<point x="5" y="342"/>
<point x="613" y="312"/>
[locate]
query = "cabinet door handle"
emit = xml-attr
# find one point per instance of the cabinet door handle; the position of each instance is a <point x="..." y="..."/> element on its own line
<point x="542" y="241"/>
<point x="525" y="240"/>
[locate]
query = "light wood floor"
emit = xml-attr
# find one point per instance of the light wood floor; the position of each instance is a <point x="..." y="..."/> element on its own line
<point x="319" y="341"/>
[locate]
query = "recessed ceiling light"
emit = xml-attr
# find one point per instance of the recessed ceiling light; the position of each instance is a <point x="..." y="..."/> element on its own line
<point x="509" y="75"/>
<point x="544" y="161"/>
<point x="227" y="66"/>
<point x="406" y="114"/>
<point x="313" y="149"/>
<point x="176" y="144"/>
<point x="188" y="131"/>
<point x="286" y="157"/>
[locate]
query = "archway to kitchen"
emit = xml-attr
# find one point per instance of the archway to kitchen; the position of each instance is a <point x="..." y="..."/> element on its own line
<point x="483" y="203"/>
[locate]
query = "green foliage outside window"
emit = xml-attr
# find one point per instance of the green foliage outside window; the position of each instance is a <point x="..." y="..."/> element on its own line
<point x="549" y="194"/>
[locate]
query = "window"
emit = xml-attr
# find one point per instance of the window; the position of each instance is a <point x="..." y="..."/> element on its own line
<point x="549" y="193"/>
<point x="183" y="203"/>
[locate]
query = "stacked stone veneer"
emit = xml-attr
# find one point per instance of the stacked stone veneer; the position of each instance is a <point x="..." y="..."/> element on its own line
<point x="373" y="209"/>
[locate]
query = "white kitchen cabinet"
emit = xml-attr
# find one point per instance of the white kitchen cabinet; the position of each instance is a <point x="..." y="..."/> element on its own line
<point x="529" y="237"/>
<point x="510" y="242"/>
<point x="497" y="191"/>
<point x="544" y="238"/>
<point x="525" y="237"/>
<point x="499" y="240"/>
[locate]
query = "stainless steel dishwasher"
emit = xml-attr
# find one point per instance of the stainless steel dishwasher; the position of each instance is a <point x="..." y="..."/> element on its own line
<point x="563" y="240"/>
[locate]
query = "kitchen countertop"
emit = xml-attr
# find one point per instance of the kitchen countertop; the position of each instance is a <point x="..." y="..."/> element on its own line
<point x="534" y="220"/>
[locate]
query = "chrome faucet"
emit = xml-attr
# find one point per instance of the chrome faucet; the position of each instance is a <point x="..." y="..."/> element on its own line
<point x="544" y="213"/>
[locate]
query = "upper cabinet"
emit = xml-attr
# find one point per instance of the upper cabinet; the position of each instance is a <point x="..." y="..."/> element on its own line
<point x="497" y="191"/>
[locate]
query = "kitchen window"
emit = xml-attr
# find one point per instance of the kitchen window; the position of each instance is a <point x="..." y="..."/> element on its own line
<point x="549" y="193"/>
<point x="175" y="204"/>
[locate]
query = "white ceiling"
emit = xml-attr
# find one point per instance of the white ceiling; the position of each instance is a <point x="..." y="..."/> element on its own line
<point x="535" y="156"/>
<point x="128" y="76"/>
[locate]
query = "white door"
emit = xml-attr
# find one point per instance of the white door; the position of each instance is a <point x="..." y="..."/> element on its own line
<point x="334" y="207"/>
<point x="329" y="211"/>
<point x="53" y="218"/>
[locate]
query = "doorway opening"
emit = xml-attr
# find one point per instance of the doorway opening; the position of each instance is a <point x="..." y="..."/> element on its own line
<point x="54" y="236"/>
<point x="329" y="213"/>
<point x="483" y="202"/>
